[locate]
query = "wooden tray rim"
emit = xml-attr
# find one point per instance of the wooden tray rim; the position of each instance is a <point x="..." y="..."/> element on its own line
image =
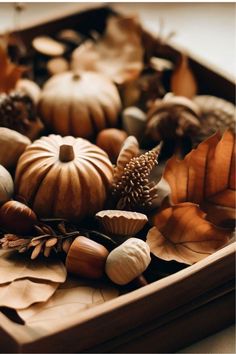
<point x="22" y="335"/>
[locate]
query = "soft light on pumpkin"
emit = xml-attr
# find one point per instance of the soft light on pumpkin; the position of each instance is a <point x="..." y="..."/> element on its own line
<point x="63" y="177"/>
<point x="79" y="104"/>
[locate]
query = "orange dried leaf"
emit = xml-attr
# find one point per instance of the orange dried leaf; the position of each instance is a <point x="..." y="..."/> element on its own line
<point x="9" y="72"/>
<point x="206" y="176"/>
<point x="181" y="233"/>
<point x="118" y="53"/>
<point x="183" y="82"/>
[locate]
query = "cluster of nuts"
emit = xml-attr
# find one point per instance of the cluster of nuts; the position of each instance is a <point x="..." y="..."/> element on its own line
<point x="89" y="259"/>
<point x="85" y="257"/>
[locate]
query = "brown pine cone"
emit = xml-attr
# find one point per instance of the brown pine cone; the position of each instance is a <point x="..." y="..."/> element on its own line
<point x="215" y="114"/>
<point x="17" y="111"/>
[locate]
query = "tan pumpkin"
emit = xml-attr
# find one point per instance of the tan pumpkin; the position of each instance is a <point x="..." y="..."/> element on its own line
<point x="79" y="104"/>
<point x="63" y="177"/>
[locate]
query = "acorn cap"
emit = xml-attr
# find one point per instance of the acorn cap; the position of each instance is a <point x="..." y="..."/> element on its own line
<point x="121" y="222"/>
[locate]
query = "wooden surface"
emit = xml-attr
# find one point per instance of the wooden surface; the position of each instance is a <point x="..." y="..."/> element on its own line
<point x="150" y="309"/>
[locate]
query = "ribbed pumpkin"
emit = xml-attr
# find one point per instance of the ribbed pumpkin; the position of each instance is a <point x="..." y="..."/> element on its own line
<point x="63" y="177"/>
<point x="79" y="104"/>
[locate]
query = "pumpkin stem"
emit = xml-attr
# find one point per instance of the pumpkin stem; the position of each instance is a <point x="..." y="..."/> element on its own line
<point x="66" y="153"/>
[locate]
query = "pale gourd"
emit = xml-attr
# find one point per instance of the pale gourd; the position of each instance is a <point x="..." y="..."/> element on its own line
<point x="6" y="185"/>
<point x="12" y="145"/>
<point x="29" y="88"/>
<point x="63" y="177"/>
<point x="128" y="261"/>
<point x="79" y="104"/>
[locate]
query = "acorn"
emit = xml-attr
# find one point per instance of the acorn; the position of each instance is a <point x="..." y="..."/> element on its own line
<point x="86" y="258"/>
<point x="17" y="217"/>
<point x="128" y="261"/>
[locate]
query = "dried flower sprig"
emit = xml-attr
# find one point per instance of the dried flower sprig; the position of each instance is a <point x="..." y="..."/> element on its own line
<point x="56" y="237"/>
<point x="134" y="190"/>
<point x="46" y="241"/>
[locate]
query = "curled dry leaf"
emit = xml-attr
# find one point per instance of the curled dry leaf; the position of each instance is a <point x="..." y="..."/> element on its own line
<point x="22" y="293"/>
<point x="183" y="82"/>
<point x="71" y="298"/>
<point x="14" y="266"/>
<point x="181" y="233"/>
<point x="129" y="150"/>
<point x="117" y="54"/>
<point x="206" y="177"/>
<point x="9" y="73"/>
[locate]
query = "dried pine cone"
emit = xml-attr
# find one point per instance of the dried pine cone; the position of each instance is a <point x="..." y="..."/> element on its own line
<point x="133" y="190"/>
<point x="172" y="117"/>
<point x="215" y="114"/>
<point x="17" y="111"/>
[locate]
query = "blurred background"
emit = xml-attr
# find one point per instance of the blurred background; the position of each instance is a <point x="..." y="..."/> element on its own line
<point x="207" y="30"/>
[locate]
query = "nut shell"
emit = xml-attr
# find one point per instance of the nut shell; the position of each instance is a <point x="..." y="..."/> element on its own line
<point x="86" y="258"/>
<point x="17" y="217"/>
<point x="128" y="261"/>
<point x="120" y="222"/>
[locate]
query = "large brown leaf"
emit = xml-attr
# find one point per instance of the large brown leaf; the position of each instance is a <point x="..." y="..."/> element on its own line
<point x="22" y="293"/>
<point x="71" y="298"/>
<point x="118" y="53"/>
<point x="15" y="266"/>
<point x="206" y="177"/>
<point x="9" y="72"/>
<point x="181" y="233"/>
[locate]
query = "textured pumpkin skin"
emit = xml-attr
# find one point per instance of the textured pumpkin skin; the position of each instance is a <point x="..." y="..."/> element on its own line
<point x="70" y="190"/>
<point x="79" y="104"/>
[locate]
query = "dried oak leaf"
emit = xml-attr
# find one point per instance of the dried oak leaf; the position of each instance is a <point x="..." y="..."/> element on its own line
<point x="70" y="299"/>
<point x="9" y="72"/>
<point x="183" y="82"/>
<point x="14" y="266"/>
<point x="118" y="53"/>
<point x="181" y="233"/>
<point x="22" y="293"/>
<point x="206" y="177"/>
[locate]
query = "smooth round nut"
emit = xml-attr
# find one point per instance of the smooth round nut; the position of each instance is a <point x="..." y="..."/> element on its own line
<point x="86" y="258"/>
<point x="17" y="217"/>
<point x="128" y="261"/>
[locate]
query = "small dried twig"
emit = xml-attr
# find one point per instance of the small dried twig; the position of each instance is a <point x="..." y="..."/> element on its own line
<point x="47" y="240"/>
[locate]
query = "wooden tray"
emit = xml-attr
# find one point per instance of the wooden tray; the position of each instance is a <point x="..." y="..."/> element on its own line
<point x="161" y="317"/>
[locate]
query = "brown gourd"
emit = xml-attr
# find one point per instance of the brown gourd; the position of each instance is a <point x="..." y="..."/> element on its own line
<point x="79" y="104"/>
<point x="63" y="177"/>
